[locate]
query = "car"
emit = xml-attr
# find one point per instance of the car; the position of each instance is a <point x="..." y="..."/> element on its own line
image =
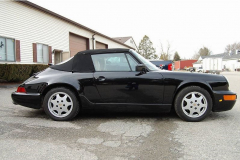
<point x="166" y="65"/>
<point x="200" y="69"/>
<point x="120" y="78"/>
<point x="191" y="69"/>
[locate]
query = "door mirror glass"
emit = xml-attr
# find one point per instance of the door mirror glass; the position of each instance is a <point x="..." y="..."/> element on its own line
<point x="141" y="68"/>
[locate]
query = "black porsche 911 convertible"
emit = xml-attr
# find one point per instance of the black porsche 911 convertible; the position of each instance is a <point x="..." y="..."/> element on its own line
<point x="122" y="77"/>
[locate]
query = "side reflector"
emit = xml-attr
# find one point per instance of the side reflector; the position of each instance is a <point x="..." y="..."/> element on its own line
<point x="21" y="89"/>
<point x="229" y="97"/>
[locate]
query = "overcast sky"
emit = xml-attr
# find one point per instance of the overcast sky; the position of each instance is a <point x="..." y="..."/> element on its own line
<point x="187" y="25"/>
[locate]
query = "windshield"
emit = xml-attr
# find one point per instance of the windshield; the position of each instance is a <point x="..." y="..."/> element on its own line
<point x="148" y="64"/>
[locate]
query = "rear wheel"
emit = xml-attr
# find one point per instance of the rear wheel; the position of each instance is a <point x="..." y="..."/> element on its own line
<point x="193" y="104"/>
<point x="61" y="104"/>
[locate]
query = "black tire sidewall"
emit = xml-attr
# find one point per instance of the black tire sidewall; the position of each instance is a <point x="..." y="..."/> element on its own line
<point x="182" y="94"/>
<point x="75" y="108"/>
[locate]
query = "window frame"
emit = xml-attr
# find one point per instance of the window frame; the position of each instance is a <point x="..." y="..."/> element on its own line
<point x="14" y="48"/>
<point x="125" y="55"/>
<point x="133" y="59"/>
<point x="42" y="52"/>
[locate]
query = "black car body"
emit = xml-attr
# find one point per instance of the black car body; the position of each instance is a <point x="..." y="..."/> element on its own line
<point x="121" y="77"/>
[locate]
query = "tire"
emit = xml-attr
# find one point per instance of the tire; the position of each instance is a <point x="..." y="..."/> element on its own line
<point x="61" y="104"/>
<point x="193" y="104"/>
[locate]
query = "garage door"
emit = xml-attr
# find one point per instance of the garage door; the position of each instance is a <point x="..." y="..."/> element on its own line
<point x="77" y="43"/>
<point x="100" y="45"/>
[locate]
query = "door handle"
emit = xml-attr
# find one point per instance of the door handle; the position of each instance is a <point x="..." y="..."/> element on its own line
<point x="100" y="78"/>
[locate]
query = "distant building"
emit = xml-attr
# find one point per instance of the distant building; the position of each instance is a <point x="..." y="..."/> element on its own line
<point x="199" y="63"/>
<point x="178" y="65"/>
<point x="223" y="61"/>
<point x="127" y="40"/>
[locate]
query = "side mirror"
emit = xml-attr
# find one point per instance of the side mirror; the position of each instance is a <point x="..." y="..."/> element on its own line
<point x="50" y="64"/>
<point x="141" y="68"/>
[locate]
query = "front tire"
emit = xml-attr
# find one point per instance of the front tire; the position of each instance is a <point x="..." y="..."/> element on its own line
<point x="193" y="104"/>
<point x="61" y="104"/>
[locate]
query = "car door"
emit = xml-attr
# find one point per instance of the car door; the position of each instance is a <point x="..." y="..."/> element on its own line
<point x="118" y="82"/>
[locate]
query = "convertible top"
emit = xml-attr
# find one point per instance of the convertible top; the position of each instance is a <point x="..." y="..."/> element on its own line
<point x="82" y="61"/>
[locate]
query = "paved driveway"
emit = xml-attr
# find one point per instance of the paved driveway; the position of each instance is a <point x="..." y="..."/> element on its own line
<point x="116" y="135"/>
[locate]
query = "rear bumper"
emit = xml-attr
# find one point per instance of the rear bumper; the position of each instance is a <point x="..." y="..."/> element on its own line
<point x="31" y="100"/>
<point x="221" y="104"/>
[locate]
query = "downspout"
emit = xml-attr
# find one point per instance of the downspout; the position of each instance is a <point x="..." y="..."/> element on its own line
<point x="93" y="40"/>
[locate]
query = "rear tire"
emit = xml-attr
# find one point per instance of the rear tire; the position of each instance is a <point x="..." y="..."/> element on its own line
<point x="61" y="104"/>
<point x="193" y="104"/>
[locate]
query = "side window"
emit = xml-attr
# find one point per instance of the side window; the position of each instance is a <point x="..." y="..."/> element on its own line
<point x="133" y="63"/>
<point x="42" y="53"/>
<point x="110" y="62"/>
<point x="7" y="49"/>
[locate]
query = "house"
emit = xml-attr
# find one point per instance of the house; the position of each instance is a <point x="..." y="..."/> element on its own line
<point x="31" y="34"/>
<point x="127" y="40"/>
<point x="178" y="65"/>
<point x="224" y="61"/>
<point x="213" y="62"/>
<point x="231" y="61"/>
<point x="199" y="63"/>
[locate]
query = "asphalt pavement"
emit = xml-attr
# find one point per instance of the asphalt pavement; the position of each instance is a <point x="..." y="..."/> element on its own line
<point x="118" y="135"/>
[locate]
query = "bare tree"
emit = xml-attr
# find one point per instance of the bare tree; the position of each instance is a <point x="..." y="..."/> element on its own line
<point x="165" y="54"/>
<point x="232" y="47"/>
<point x="204" y="51"/>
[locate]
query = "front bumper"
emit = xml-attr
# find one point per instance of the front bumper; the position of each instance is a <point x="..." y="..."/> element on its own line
<point x="31" y="100"/>
<point x="221" y="104"/>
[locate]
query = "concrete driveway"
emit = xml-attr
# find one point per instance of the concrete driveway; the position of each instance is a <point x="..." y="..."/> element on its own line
<point x="118" y="135"/>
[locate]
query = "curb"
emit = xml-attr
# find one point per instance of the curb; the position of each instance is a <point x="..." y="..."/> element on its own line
<point x="9" y="85"/>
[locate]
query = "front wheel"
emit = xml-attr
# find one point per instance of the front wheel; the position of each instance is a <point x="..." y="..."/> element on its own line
<point x="193" y="104"/>
<point x="61" y="104"/>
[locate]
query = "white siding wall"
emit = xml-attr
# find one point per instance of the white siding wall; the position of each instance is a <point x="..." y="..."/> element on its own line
<point x="29" y="25"/>
<point x="231" y="64"/>
<point x="128" y="42"/>
<point x="212" y="64"/>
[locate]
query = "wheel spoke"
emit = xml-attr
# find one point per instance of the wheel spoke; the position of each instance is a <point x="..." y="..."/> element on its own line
<point x="65" y="109"/>
<point x="193" y="96"/>
<point x="58" y="97"/>
<point x="59" y="112"/>
<point x="54" y="102"/>
<point x="191" y="111"/>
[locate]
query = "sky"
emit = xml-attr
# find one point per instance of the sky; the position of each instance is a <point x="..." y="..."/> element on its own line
<point x="187" y="25"/>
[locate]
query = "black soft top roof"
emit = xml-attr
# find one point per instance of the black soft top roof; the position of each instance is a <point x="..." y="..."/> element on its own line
<point x="82" y="61"/>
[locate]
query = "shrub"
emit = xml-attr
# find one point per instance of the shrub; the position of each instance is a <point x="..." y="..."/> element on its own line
<point x="19" y="72"/>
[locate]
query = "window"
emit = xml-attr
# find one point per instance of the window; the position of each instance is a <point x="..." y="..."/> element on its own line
<point x="110" y="62"/>
<point x="133" y="63"/>
<point x="42" y="53"/>
<point x="149" y="65"/>
<point x="7" y="49"/>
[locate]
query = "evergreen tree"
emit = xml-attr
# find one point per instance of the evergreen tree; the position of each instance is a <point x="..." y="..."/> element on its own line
<point x="176" y="57"/>
<point x="146" y="49"/>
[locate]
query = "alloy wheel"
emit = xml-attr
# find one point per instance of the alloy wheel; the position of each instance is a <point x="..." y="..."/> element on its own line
<point x="60" y="104"/>
<point x="194" y="104"/>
